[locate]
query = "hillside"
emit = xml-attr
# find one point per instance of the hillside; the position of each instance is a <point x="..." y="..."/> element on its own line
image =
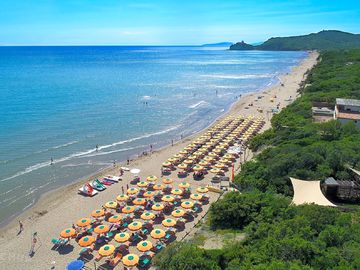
<point x="324" y="40"/>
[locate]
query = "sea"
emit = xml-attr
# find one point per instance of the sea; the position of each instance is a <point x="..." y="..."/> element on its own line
<point x="60" y="103"/>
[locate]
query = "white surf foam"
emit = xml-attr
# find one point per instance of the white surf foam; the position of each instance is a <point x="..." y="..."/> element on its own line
<point x="236" y="77"/>
<point x="196" y="105"/>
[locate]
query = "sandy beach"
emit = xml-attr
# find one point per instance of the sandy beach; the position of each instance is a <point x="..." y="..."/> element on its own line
<point x="61" y="208"/>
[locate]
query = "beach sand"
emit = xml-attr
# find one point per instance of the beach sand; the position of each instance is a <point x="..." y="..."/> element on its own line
<point x="61" y="208"/>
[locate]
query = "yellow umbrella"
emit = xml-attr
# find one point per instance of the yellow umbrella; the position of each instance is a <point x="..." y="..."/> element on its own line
<point x="192" y="158"/>
<point x="167" y="198"/>
<point x="188" y="148"/>
<point x="106" y="250"/>
<point x="168" y="222"/>
<point x="122" y="237"/>
<point x="215" y="170"/>
<point x="98" y="213"/>
<point x="114" y="218"/>
<point x="101" y="229"/>
<point x="187" y="204"/>
<point x="135" y="226"/>
<point x="158" y="187"/>
<point x="86" y="241"/>
<point x="217" y="150"/>
<point x="142" y="184"/>
<point x="130" y="260"/>
<point x="84" y="222"/>
<point x="157" y="233"/>
<point x="128" y="209"/>
<point x="151" y="178"/>
<point x="172" y="160"/>
<point x="203" y="163"/>
<point x="122" y="198"/>
<point x="177" y="191"/>
<point x="182" y="166"/>
<point x="178" y="156"/>
<point x="148" y="194"/>
<point x="144" y="246"/>
<point x="183" y="152"/>
<point x="188" y="161"/>
<point x="147" y="216"/>
<point x="212" y="154"/>
<point x="157" y="207"/>
<point x="178" y="213"/>
<point x="139" y="201"/>
<point x="167" y="164"/>
<point x="196" y="196"/>
<point x="167" y="180"/>
<point x="202" y="189"/>
<point x="67" y="233"/>
<point x="198" y="168"/>
<point x="184" y="185"/>
<point x="208" y="158"/>
<point x="111" y="204"/>
<point x="220" y="165"/>
<point x="132" y="191"/>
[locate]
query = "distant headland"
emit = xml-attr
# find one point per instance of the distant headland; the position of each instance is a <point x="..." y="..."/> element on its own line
<point x="323" y="40"/>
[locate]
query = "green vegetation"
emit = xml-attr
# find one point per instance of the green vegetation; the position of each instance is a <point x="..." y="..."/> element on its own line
<point x="324" y="40"/>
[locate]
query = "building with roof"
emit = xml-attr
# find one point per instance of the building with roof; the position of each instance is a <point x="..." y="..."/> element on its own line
<point x="347" y="110"/>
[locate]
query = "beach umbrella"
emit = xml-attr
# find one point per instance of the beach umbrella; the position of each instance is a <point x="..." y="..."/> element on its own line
<point x="217" y="150"/>
<point x="98" y="213"/>
<point x="183" y="152"/>
<point x="75" y="265"/>
<point x="122" y="198"/>
<point x="101" y="229"/>
<point x="151" y="178"/>
<point x="132" y="191"/>
<point x="188" y="148"/>
<point x="182" y="166"/>
<point x="142" y="184"/>
<point x="172" y="160"/>
<point x="84" y="222"/>
<point x="187" y="204"/>
<point x="122" y="237"/>
<point x="128" y="209"/>
<point x="202" y="189"/>
<point x="135" y="171"/>
<point x="167" y="198"/>
<point x="130" y="260"/>
<point x="195" y="196"/>
<point x="139" y="201"/>
<point x="167" y="180"/>
<point x="148" y="194"/>
<point x="157" y="233"/>
<point x="192" y="158"/>
<point x="220" y="165"/>
<point x="203" y="163"/>
<point x="144" y="246"/>
<point x="158" y="187"/>
<point x="86" y="241"/>
<point x="177" y="156"/>
<point x="178" y="213"/>
<point x="198" y="168"/>
<point x="111" y="204"/>
<point x="184" y="185"/>
<point x="147" y="216"/>
<point x="167" y="164"/>
<point x="135" y="226"/>
<point x="114" y="218"/>
<point x="212" y="154"/>
<point x="215" y="170"/>
<point x="67" y="233"/>
<point x="168" y="222"/>
<point x="188" y="161"/>
<point x="224" y="160"/>
<point x="106" y="250"/>
<point x="157" y="207"/>
<point x="207" y="158"/>
<point x="177" y="191"/>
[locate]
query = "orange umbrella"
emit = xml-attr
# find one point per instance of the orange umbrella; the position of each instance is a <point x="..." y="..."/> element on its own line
<point x="142" y="184"/>
<point x="178" y="213"/>
<point x="167" y="180"/>
<point x="167" y="198"/>
<point x="130" y="260"/>
<point x="128" y="209"/>
<point x="157" y="207"/>
<point x="196" y="196"/>
<point x="151" y="178"/>
<point x="101" y="229"/>
<point x="98" y="213"/>
<point x="122" y="198"/>
<point x="132" y="191"/>
<point x="144" y="246"/>
<point x="148" y="194"/>
<point x="106" y="250"/>
<point x="147" y="216"/>
<point x="157" y="233"/>
<point x="111" y="204"/>
<point x="122" y="237"/>
<point x="86" y="241"/>
<point x="177" y="191"/>
<point x="168" y="222"/>
<point x="67" y="233"/>
<point x="115" y="219"/>
<point x="84" y="222"/>
<point x="135" y="226"/>
<point x="139" y="201"/>
<point x="187" y="204"/>
<point x="158" y="187"/>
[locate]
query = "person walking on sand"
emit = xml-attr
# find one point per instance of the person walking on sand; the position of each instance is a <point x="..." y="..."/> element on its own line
<point x="172" y="142"/>
<point x="21" y="227"/>
<point x="122" y="189"/>
<point x="33" y="244"/>
<point x="127" y="161"/>
<point x="150" y="148"/>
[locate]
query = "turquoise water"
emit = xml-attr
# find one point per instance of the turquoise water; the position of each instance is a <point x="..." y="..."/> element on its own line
<point x="60" y="102"/>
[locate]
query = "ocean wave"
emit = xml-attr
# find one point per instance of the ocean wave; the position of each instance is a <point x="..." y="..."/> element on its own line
<point x="146" y="97"/>
<point x="237" y="77"/>
<point x="84" y="153"/>
<point x="200" y="103"/>
<point x="64" y="145"/>
<point x="114" y="151"/>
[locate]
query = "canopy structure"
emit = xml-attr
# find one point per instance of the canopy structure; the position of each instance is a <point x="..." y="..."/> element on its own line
<point x="306" y="192"/>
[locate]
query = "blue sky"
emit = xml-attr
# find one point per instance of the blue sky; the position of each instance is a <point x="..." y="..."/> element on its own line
<point x="167" y="22"/>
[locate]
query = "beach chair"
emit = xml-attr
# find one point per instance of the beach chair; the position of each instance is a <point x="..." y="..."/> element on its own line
<point x="59" y="242"/>
<point x="98" y="257"/>
<point x="113" y="262"/>
<point x="144" y="262"/>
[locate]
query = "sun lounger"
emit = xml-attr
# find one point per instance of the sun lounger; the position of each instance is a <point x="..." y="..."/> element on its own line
<point x="59" y="242"/>
<point x="98" y="258"/>
<point x="116" y="259"/>
<point x="113" y="178"/>
<point x="88" y="190"/>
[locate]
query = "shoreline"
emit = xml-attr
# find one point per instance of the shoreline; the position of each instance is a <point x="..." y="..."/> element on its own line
<point x="60" y="198"/>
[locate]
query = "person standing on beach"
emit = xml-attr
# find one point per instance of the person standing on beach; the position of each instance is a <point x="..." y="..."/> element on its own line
<point x="33" y="244"/>
<point x="97" y="148"/>
<point x="51" y="161"/>
<point x="172" y="142"/>
<point x="21" y="227"/>
<point x="127" y="161"/>
<point x="122" y="189"/>
<point x="150" y="148"/>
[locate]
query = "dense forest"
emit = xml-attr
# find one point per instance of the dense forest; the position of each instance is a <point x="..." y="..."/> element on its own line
<point x="280" y="235"/>
<point x="324" y="40"/>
